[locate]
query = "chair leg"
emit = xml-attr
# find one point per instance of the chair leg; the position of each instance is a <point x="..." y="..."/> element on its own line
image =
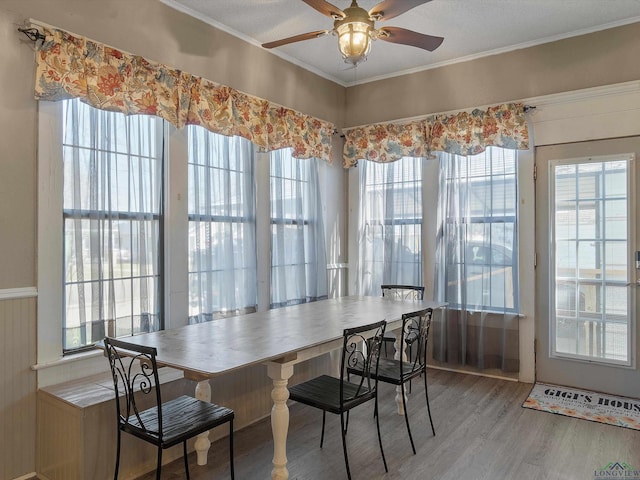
<point x="384" y="460"/>
<point x="344" y="444"/>
<point x="324" y="415"/>
<point x="406" y="418"/>
<point x="426" y="394"/>
<point x="159" y="466"/>
<point x="186" y="460"/>
<point x="346" y="424"/>
<point x="231" y="449"/>
<point x="410" y="360"/>
<point x="115" y="476"/>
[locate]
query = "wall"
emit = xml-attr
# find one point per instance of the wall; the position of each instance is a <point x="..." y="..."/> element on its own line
<point x="17" y="387"/>
<point x="600" y="58"/>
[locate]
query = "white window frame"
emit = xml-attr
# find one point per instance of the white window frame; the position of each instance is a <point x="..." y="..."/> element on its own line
<point x="50" y="240"/>
<point x="632" y="272"/>
<point x="52" y="364"/>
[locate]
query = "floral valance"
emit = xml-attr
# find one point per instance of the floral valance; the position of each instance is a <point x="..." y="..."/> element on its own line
<point x="70" y="66"/>
<point x="385" y="142"/>
<point x="464" y="133"/>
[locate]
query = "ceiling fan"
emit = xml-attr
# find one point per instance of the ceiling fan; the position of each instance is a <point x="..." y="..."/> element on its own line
<point x="355" y="28"/>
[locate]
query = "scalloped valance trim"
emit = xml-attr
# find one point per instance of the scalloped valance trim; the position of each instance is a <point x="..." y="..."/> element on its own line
<point x="71" y="66"/>
<point x="463" y="133"/>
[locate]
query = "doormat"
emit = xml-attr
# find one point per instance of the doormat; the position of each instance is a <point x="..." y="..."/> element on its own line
<point x="597" y="407"/>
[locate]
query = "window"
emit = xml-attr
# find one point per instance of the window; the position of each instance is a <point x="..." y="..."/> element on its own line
<point x="106" y="226"/>
<point x="390" y="230"/>
<point x="298" y="259"/>
<point x="477" y="258"/>
<point x="222" y="245"/>
<point x="591" y="246"/>
<point x="112" y="223"/>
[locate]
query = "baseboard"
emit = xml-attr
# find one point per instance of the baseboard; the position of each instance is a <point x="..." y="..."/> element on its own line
<point x="469" y="372"/>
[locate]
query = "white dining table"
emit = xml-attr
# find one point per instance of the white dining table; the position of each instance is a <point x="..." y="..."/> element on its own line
<point x="278" y="338"/>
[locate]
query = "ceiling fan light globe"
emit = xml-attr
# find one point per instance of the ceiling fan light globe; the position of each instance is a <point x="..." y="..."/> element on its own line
<point x="354" y="41"/>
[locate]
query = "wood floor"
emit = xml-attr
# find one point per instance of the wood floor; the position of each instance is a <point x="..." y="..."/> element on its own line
<point x="482" y="433"/>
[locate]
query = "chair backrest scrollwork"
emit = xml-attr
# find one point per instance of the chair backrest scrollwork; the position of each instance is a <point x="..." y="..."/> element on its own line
<point x="361" y="349"/>
<point x="135" y="374"/>
<point x="415" y="334"/>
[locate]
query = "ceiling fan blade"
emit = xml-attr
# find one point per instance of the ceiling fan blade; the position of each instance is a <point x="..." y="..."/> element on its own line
<point x="409" y="37"/>
<point x="392" y="8"/>
<point x="295" y="38"/>
<point x="326" y="8"/>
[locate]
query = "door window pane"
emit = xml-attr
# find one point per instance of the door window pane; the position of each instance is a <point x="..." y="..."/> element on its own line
<point x="590" y="218"/>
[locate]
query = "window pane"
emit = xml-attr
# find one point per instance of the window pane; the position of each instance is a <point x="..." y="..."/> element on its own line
<point x="298" y="259"/>
<point x="591" y="313"/>
<point x="221" y="203"/>
<point x="112" y="184"/>
<point x="390" y="231"/>
<point x="477" y="249"/>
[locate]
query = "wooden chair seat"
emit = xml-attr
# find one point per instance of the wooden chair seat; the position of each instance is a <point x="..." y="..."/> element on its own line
<point x="389" y="371"/>
<point x="182" y="418"/>
<point x="324" y="393"/>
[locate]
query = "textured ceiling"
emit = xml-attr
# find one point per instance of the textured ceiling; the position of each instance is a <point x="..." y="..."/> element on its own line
<point x="471" y="29"/>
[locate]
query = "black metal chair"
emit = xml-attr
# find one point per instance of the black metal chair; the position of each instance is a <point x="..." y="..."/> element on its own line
<point x="135" y="374"/>
<point x="338" y="395"/>
<point x="400" y="292"/>
<point x="415" y="333"/>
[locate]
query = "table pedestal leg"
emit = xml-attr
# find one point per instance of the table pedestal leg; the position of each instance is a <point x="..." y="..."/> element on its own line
<point x="400" y="354"/>
<point x="280" y="374"/>
<point x="203" y="392"/>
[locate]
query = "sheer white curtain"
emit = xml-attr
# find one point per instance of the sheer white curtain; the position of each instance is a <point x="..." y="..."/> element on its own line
<point x="222" y="223"/>
<point x="477" y="260"/>
<point x="390" y="226"/>
<point x="112" y="206"/>
<point x="298" y="257"/>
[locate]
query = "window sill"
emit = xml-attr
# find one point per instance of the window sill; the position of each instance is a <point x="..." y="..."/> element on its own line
<point x="77" y="357"/>
<point x="81" y="366"/>
<point x="70" y="367"/>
